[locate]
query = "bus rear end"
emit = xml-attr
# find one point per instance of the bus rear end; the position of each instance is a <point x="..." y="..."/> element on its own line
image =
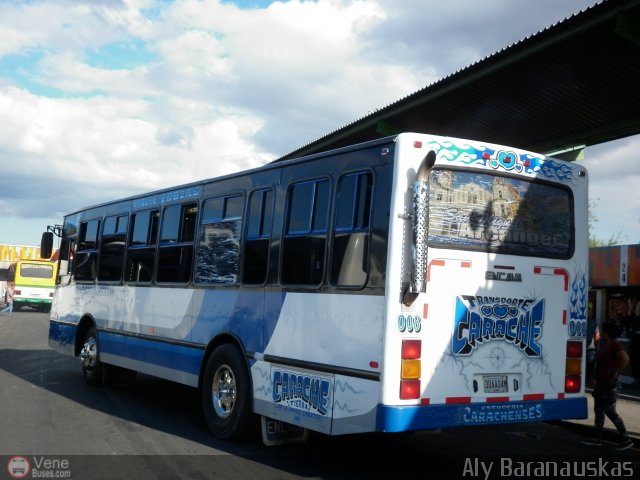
<point x="34" y="284"/>
<point x="487" y="287"/>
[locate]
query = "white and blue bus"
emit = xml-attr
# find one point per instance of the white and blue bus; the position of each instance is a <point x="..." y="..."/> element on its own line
<point x="413" y="282"/>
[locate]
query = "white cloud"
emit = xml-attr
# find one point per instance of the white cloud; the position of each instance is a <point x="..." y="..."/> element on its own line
<point x="15" y="40"/>
<point x="68" y="73"/>
<point x="614" y="176"/>
<point x="61" y="25"/>
<point x="102" y="143"/>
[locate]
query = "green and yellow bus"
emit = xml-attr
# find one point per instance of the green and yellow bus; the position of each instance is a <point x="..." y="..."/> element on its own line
<point x="34" y="283"/>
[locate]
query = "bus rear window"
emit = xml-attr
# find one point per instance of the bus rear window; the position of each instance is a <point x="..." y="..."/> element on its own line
<point x="480" y="211"/>
<point x="34" y="270"/>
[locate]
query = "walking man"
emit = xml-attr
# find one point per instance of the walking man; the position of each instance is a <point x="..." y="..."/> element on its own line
<point x="610" y="361"/>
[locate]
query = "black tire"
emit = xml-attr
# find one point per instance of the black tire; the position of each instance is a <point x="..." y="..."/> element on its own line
<point x="226" y="395"/>
<point x="92" y="368"/>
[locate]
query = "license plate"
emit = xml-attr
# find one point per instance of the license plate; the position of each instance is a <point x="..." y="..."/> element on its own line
<point x="495" y="383"/>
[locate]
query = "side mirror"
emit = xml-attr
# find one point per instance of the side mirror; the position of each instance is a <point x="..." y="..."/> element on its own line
<point x="46" y="245"/>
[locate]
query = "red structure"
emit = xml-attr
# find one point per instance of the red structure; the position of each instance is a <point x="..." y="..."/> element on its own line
<point x="614" y="280"/>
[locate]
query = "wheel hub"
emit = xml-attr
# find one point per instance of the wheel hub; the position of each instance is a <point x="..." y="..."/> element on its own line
<point x="223" y="391"/>
<point x="88" y="353"/>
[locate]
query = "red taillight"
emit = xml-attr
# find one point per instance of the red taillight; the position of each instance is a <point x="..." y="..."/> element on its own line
<point x="572" y="383"/>
<point x="409" y="389"/>
<point x="50" y="294"/>
<point x="411" y="349"/>
<point x="574" y="349"/>
<point x="410" y="369"/>
<point x="573" y="367"/>
<point x="17" y="292"/>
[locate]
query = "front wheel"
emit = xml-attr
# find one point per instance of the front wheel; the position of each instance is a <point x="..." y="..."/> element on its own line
<point x="92" y="368"/>
<point x="226" y="394"/>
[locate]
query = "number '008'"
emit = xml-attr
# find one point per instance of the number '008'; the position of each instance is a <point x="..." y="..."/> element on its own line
<point x="409" y="323"/>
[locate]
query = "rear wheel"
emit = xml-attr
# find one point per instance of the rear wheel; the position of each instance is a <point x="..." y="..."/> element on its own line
<point x="226" y="394"/>
<point x="92" y="368"/>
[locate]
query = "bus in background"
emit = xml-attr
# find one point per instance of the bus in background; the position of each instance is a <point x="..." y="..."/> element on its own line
<point x="407" y="283"/>
<point x="34" y="284"/>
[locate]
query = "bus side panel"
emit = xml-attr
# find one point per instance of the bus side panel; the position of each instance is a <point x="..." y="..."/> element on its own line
<point x="63" y="327"/>
<point x="355" y="402"/>
<point x="294" y="395"/>
<point x="309" y="335"/>
<point x="178" y="363"/>
<point x="145" y="329"/>
<point x="332" y="329"/>
<point x="231" y="311"/>
<point x="62" y="337"/>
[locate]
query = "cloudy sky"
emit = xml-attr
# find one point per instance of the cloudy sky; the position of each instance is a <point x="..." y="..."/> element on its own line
<point x="101" y="99"/>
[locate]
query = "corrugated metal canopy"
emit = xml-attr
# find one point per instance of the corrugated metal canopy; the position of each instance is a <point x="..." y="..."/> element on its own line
<point x="575" y="83"/>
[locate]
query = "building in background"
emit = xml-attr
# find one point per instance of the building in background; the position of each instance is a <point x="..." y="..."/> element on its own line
<point x="11" y="253"/>
<point x="614" y="281"/>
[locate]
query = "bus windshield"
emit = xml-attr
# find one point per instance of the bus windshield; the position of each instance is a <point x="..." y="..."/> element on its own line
<point x="485" y="212"/>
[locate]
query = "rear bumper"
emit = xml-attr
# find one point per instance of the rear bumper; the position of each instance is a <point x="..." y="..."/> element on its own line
<point x="29" y="300"/>
<point x="429" y="417"/>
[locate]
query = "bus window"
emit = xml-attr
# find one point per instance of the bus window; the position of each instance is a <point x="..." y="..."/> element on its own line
<point x="36" y="270"/>
<point x="303" y="249"/>
<point x="111" y="262"/>
<point x="141" y="251"/>
<point x="480" y="211"/>
<point x="258" y="234"/>
<point x="219" y="245"/>
<point x="350" y="246"/>
<point x="86" y="263"/>
<point x="176" y="243"/>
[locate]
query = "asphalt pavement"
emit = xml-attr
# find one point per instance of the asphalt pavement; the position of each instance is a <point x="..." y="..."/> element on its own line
<point x="628" y="407"/>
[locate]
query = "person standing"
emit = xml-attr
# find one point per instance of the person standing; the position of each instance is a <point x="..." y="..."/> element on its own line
<point x="11" y="285"/>
<point x="8" y="300"/>
<point x="610" y="361"/>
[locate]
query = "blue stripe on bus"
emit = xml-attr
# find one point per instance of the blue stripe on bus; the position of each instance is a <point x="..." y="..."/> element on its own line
<point x="426" y="417"/>
<point x="175" y="357"/>
<point x="62" y="336"/>
<point x="251" y="315"/>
